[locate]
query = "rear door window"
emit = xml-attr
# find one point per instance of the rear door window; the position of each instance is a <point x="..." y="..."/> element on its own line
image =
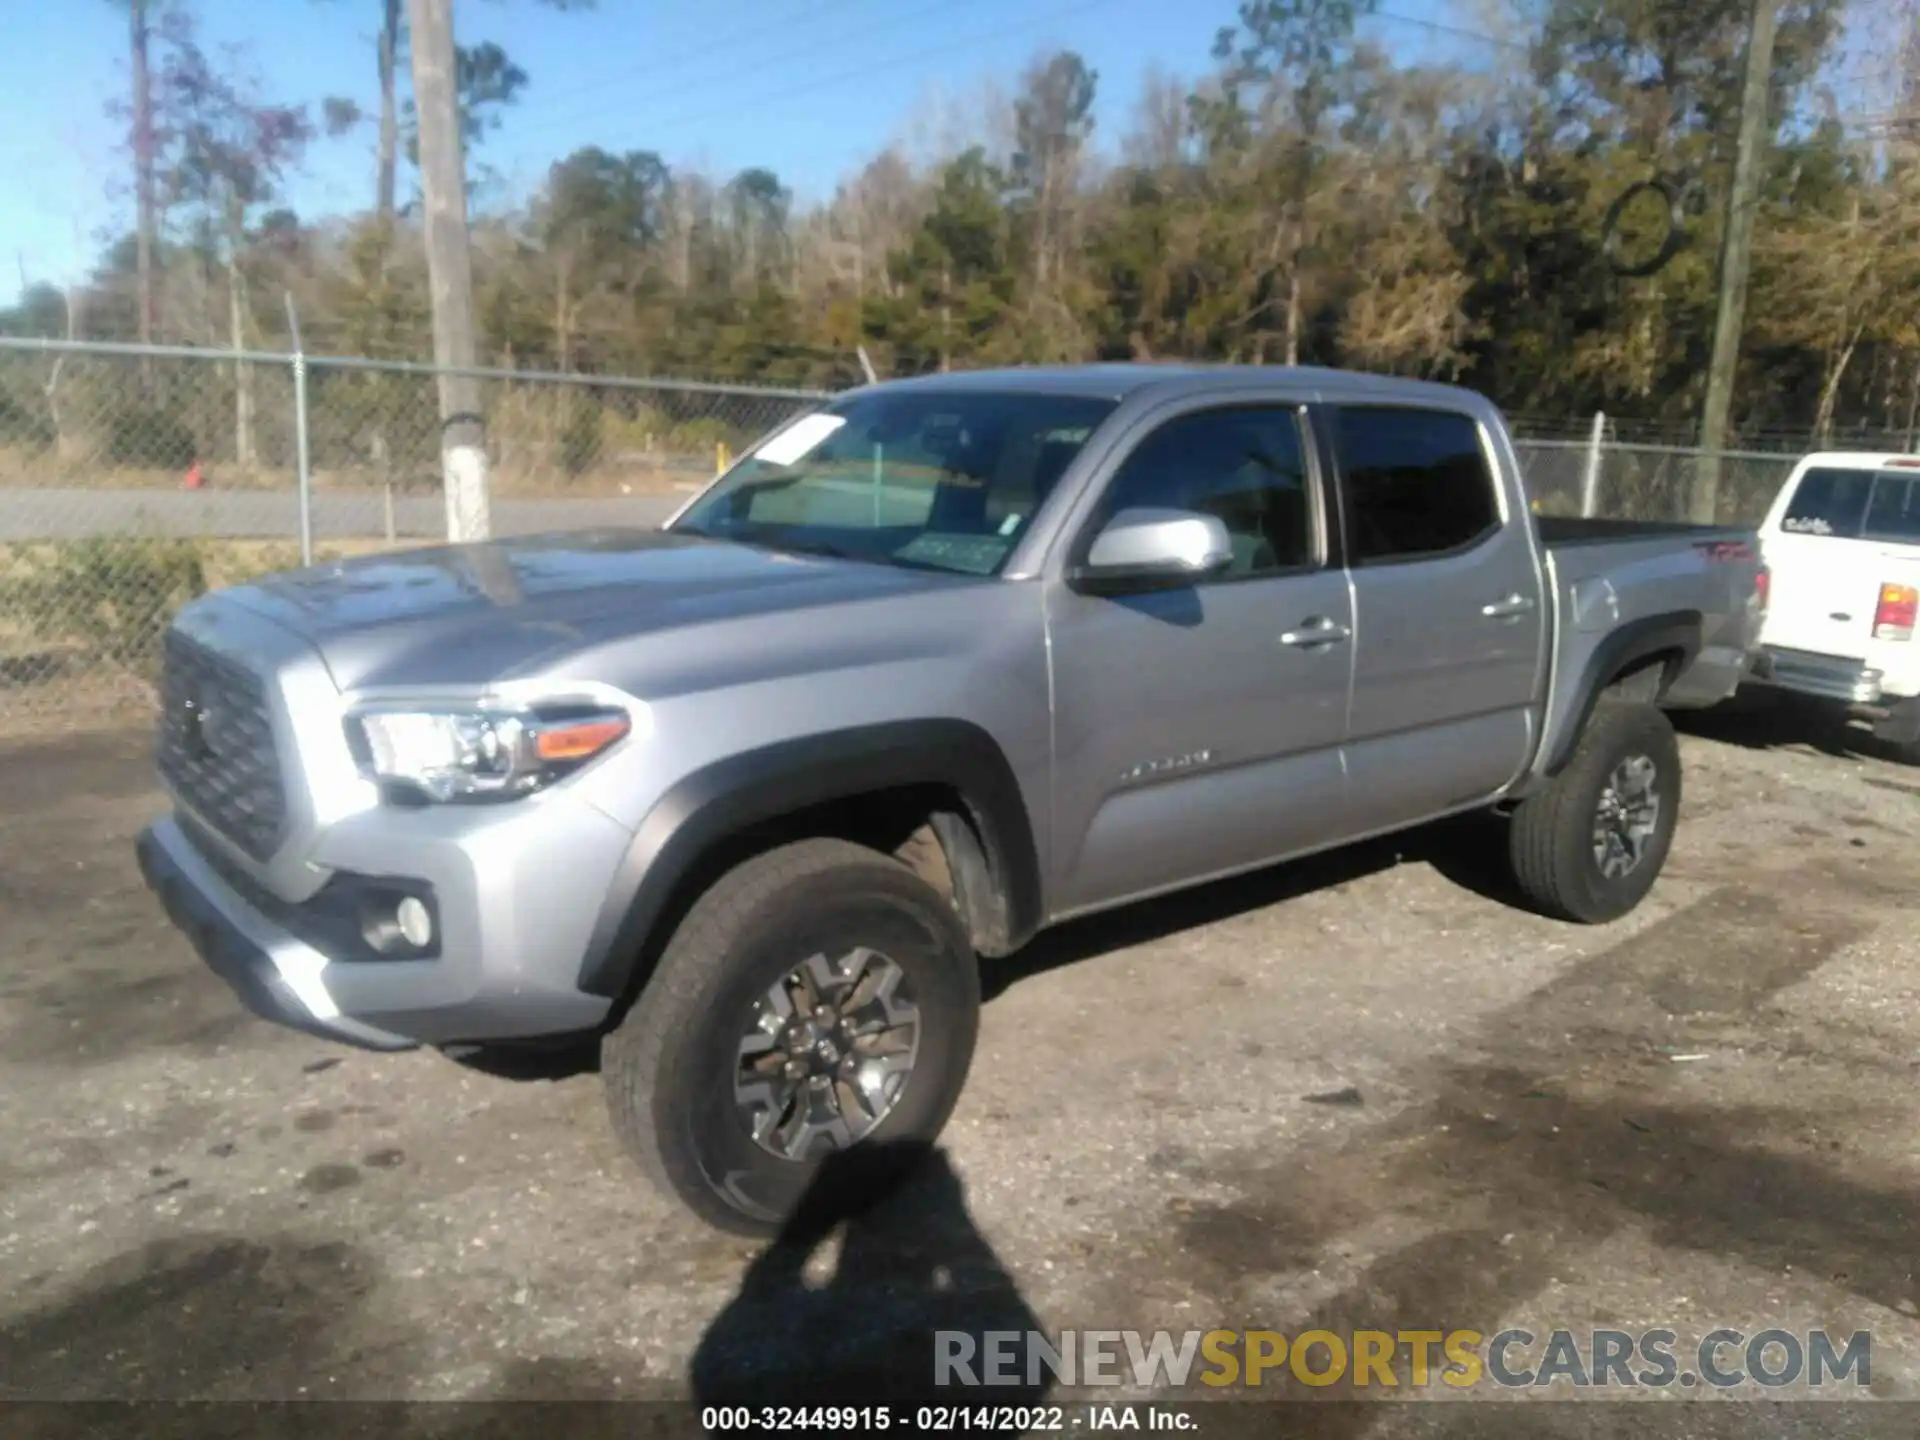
<point x="1416" y="483"/>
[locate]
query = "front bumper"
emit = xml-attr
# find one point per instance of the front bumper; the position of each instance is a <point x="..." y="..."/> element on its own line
<point x="514" y="903"/>
<point x="274" y="977"/>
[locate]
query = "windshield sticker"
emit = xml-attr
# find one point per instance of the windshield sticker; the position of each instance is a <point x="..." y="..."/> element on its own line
<point x="798" y="439"/>
<point x="972" y="554"/>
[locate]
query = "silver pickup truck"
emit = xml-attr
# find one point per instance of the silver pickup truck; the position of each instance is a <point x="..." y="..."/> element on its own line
<point x="752" y="798"/>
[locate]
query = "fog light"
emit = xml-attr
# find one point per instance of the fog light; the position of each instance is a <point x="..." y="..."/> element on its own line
<point x="397" y="925"/>
<point x="416" y="925"/>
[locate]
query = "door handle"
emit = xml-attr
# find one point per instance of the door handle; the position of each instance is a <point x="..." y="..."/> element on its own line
<point x="1314" y="631"/>
<point x="1508" y="607"/>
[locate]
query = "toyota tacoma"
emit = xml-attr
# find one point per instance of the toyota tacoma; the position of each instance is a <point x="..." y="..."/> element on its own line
<point x="751" y="799"/>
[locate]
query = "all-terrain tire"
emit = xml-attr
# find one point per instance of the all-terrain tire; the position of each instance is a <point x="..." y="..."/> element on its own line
<point x="669" y="1068"/>
<point x="1551" y="841"/>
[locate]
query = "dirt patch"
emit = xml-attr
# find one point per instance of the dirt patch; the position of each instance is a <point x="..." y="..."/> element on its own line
<point x="1358" y="1092"/>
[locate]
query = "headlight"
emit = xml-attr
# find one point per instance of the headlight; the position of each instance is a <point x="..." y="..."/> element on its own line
<point x="460" y="753"/>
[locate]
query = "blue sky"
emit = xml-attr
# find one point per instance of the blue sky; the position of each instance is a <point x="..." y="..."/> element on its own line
<point x="809" y="88"/>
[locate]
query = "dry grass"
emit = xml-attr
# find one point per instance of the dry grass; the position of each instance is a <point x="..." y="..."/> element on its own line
<point x="512" y="477"/>
<point x="227" y="562"/>
<point x="48" y="671"/>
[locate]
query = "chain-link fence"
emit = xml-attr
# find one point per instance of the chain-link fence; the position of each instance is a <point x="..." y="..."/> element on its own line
<point x="132" y="478"/>
<point x="1646" y="482"/>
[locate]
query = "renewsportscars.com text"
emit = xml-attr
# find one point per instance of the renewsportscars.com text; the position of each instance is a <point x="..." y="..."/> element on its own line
<point x="1404" y="1359"/>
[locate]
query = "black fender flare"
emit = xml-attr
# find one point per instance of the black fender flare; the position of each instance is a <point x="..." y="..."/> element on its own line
<point x="706" y="808"/>
<point x="1675" y="630"/>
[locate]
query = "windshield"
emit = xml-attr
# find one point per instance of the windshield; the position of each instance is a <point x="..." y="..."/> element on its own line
<point x="942" y="480"/>
<point x="1855" y="504"/>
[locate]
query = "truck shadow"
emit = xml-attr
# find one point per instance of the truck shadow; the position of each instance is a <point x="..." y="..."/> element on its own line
<point x="1468" y="851"/>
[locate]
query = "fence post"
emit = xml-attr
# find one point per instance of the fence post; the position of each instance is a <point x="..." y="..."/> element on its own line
<point x="302" y="471"/>
<point x="1590" y="481"/>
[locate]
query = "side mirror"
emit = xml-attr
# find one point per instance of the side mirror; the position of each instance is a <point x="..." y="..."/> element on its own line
<point x="1153" y="549"/>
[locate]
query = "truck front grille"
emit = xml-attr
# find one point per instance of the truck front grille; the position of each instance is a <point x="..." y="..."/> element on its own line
<point x="216" y="746"/>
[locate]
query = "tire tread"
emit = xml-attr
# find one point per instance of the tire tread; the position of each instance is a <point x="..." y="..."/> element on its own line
<point x="680" y="988"/>
<point x="1549" y="828"/>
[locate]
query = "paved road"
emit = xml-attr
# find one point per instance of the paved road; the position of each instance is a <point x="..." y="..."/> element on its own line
<point x="66" y="514"/>
<point x="275" y="515"/>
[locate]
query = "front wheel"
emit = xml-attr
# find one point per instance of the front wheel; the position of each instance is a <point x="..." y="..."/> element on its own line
<point x="818" y="997"/>
<point x="1589" y="844"/>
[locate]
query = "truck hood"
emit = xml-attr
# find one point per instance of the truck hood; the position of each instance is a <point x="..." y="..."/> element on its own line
<point x="472" y="614"/>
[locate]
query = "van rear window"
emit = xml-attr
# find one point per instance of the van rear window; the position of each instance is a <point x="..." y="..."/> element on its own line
<point x="1855" y="505"/>
<point x="1894" y="511"/>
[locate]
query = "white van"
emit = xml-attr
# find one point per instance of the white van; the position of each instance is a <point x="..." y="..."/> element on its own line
<point x="1842" y="545"/>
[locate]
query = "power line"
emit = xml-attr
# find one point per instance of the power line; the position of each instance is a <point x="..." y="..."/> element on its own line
<point x="677" y="60"/>
<point x="868" y="67"/>
<point x="1880" y="72"/>
<point x="1461" y="32"/>
<point x="1458" y="32"/>
<point x="897" y="21"/>
<point x="783" y="60"/>
<point x="943" y="49"/>
<point x="1032" y="22"/>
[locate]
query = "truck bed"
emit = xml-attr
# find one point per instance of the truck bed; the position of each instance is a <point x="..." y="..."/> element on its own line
<point x="1561" y="531"/>
<point x="1606" y="576"/>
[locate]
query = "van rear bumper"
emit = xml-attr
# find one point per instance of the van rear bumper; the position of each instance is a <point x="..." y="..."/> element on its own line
<point x="1831" y="677"/>
<point x="1860" y="688"/>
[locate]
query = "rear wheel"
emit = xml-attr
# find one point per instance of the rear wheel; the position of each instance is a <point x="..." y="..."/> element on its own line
<point x="1589" y="844"/>
<point x="818" y="997"/>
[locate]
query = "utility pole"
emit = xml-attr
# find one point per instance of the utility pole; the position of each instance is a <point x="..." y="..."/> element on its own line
<point x="389" y="44"/>
<point x="147" y="223"/>
<point x="1736" y="252"/>
<point x="443" y="185"/>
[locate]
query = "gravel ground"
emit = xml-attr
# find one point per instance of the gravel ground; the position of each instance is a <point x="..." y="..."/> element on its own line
<point x="1359" y="1092"/>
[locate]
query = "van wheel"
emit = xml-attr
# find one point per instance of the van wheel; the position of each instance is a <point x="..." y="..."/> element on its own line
<point x="818" y="997"/>
<point x="1589" y="844"/>
<point x="1905" y="723"/>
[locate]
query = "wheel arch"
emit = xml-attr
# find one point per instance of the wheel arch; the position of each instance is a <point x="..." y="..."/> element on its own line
<point x="950" y="774"/>
<point x="1658" y="647"/>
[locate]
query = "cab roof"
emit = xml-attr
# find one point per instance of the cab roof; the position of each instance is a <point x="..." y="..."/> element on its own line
<point x="1118" y="381"/>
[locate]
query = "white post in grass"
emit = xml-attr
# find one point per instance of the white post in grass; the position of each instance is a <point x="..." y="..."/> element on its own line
<point x="1590" y="481"/>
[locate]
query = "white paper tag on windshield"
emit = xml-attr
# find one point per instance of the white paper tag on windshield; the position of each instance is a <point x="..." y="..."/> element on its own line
<point x="798" y="438"/>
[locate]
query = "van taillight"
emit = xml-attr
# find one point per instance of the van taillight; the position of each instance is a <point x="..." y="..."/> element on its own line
<point x="1762" y="586"/>
<point x="1893" y="617"/>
